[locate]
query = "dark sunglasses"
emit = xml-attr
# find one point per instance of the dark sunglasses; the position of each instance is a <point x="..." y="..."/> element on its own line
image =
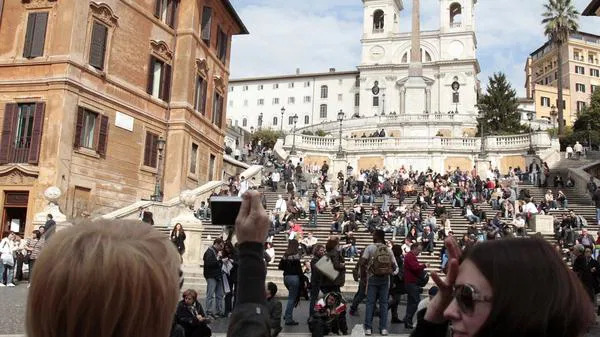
<point x="466" y="296"/>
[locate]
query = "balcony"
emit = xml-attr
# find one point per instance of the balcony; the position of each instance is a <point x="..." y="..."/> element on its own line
<point x="19" y="153"/>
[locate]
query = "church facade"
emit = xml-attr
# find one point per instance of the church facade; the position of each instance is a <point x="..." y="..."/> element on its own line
<point x="439" y="79"/>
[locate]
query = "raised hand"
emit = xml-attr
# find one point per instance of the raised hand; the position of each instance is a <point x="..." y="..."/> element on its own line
<point x="252" y="222"/>
<point x="435" y="310"/>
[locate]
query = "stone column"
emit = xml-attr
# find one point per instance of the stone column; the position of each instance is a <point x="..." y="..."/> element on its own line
<point x="428" y="99"/>
<point x="402" y="98"/>
<point x="193" y="229"/>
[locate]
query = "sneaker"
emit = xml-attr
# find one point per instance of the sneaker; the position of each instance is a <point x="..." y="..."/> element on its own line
<point x="2" y="285"/>
<point x="10" y="285"/>
<point x="367" y="332"/>
<point x="384" y="332"/>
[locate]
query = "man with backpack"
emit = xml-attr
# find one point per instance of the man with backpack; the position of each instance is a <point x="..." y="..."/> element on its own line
<point x="312" y="212"/>
<point x="379" y="262"/>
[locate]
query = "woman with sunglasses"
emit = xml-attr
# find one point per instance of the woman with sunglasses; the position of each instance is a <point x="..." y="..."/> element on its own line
<point x="512" y="287"/>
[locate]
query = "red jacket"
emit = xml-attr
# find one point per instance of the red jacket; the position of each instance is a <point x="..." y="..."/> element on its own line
<point x="412" y="268"/>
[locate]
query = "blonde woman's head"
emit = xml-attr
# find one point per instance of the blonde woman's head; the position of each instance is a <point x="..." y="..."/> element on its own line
<point x="104" y="278"/>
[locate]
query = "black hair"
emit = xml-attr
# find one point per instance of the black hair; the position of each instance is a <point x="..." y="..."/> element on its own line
<point x="272" y="288"/>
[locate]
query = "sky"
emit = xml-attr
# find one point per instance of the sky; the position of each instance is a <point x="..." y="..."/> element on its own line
<point x="315" y="35"/>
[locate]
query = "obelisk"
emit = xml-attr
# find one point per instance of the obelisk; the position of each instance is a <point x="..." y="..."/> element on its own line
<point x="416" y="67"/>
<point x="415" y="101"/>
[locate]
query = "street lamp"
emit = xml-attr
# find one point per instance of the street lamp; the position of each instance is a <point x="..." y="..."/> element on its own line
<point x="589" y="130"/>
<point x="260" y="120"/>
<point x="553" y="114"/>
<point x="282" y="112"/>
<point x="531" y="150"/>
<point x="295" y="120"/>
<point x="340" y="117"/>
<point x="482" y="119"/>
<point x="160" y="144"/>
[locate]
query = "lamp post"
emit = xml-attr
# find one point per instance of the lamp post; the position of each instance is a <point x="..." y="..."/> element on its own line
<point x="589" y="131"/>
<point x="160" y="144"/>
<point x="531" y="150"/>
<point x="293" y="150"/>
<point x="340" y="117"/>
<point x="282" y="112"/>
<point x="553" y="114"/>
<point x="260" y="120"/>
<point x="482" y="119"/>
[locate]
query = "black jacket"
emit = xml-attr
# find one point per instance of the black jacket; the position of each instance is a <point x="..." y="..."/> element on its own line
<point x="251" y="316"/>
<point x="338" y="264"/>
<point x="275" y="309"/>
<point x="212" y="264"/>
<point x="290" y="265"/>
<point x="179" y="241"/>
<point x="191" y="324"/>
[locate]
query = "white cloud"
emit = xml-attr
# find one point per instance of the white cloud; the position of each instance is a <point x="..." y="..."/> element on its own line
<point x="314" y="35"/>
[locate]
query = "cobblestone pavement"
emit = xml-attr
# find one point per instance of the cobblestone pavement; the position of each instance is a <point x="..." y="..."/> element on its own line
<point x="13" y="300"/>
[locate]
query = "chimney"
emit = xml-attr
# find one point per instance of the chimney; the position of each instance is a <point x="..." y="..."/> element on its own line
<point x="332" y="70"/>
<point x="297" y="71"/>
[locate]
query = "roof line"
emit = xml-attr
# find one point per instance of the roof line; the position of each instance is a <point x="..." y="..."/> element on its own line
<point x="274" y="77"/>
<point x="236" y="17"/>
<point x="591" y="9"/>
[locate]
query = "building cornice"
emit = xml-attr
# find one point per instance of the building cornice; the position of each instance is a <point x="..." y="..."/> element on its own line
<point x="294" y="76"/>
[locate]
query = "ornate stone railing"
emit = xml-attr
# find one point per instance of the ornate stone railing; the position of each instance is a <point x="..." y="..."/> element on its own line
<point x="540" y="141"/>
<point x="389" y="121"/>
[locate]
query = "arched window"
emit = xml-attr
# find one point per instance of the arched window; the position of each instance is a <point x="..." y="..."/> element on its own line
<point x="244" y="122"/>
<point x="323" y="111"/>
<point x="455" y="15"/>
<point x="378" y="21"/>
<point x="405" y="58"/>
<point x="425" y="56"/>
<point x="324" y="91"/>
<point x="306" y="119"/>
<point x="274" y="121"/>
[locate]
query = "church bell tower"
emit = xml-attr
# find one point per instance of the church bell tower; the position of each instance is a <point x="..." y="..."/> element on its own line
<point x="381" y="18"/>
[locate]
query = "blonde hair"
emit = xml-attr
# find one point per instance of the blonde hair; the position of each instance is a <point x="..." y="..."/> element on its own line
<point x="104" y="278"/>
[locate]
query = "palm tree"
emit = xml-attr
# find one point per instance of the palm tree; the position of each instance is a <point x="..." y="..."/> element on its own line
<point x="560" y="20"/>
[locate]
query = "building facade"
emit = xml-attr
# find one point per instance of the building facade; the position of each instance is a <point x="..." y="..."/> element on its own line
<point x="381" y="85"/>
<point x="101" y="98"/>
<point x="581" y="75"/>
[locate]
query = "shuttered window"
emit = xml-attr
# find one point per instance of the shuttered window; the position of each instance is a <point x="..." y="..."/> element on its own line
<point x="222" y="42"/>
<point x="205" y="28"/>
<point x="91" y="131"/>
<point x="200" y="96"/>
<point x="217" y="109"/>
<point x="22" y="133"/>
<point x="35" y="35"/>
<point x="151" y="150"/>
<point x="159" y="79"/>
<point x="98" y="45"/>
<point x="193" y="158"/>
<point x="166" y="11"/>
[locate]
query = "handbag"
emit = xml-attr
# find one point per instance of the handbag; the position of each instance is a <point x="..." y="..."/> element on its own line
<point x="325" y="266"/>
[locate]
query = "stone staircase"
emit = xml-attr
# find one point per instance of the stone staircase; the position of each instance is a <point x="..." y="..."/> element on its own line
<point x="578" y="201"/>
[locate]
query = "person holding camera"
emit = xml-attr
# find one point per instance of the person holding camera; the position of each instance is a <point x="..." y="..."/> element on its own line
<point x="214" y="278"/>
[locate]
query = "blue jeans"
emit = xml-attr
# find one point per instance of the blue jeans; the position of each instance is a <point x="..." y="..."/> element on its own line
<point x="312" y="218"/>
<point x="351" y="251"/>
<point x="413" y="298"/>
<point x="378" y="288"/>
<point x="474" y="218"/>
<point x="214" y="295"/>
<point x="9" y="273"/>
<point x="292" y="283"/>
<point x="598" y="216"/>
<point x="386" y="203"/>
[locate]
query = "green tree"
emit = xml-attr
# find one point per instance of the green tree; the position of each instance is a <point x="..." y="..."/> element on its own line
<point x="587" y="125"/>
<point x="267" y="136"/>
<point x="560" y="20"/>
<point x="499" y="108"/>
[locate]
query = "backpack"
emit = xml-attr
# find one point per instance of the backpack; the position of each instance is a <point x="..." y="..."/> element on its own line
<point x="381" y="262"/>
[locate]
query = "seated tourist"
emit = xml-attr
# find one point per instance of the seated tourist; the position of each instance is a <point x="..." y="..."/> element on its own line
<point x="519" y="224"/>
<point x="562" y="201"/>
<point x="549" y="198"/>
<point x="307" y="243"/>
<point x="428" y="240"/>
<point x="329" y="316"/>
<point x="275" y="309"/>
<point x="191" y="316"/>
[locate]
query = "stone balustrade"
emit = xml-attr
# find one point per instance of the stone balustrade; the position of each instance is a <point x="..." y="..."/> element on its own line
<point x="540" y="141"/>
<point x="391" y="121"/>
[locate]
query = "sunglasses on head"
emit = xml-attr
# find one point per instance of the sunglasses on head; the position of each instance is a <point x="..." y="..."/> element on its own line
<point x="466" y="296"/>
